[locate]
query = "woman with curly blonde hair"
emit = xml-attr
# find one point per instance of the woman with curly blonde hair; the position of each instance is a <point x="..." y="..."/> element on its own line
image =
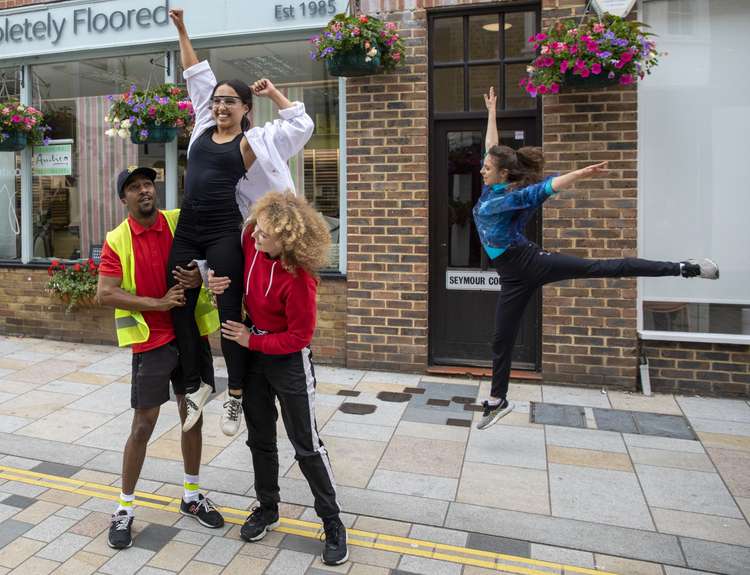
<point x="285" y="242"/>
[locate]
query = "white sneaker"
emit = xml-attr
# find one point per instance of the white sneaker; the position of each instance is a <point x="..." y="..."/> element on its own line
<point x="493" y="413"/>
<point x="195" y="402"/>
<point x="709" y="269"/>
<point x="230" y="419"/>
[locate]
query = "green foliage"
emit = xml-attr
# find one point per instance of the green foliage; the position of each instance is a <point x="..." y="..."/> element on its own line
<point x="75" y="283"/>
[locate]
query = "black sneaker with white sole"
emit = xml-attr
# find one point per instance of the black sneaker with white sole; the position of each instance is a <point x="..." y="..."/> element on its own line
<point x="120" y="536"/>
<point x="492" y="413"/>
<point x="335" y="551"/>
<point x="258" y="523"/>
<point x="204" y="511"/>
<point x="704" y="268"/>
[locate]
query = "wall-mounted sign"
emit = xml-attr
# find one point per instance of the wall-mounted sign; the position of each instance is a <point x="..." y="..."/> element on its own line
<point x="52" y="160"/>
<point x="96" y="24"/>
<point x="472" y="280"/>
<point x="615" y="7"/>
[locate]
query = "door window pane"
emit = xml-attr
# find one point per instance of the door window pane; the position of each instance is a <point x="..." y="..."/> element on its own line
<point x="315" y="170"/>
<point x="448" y="89"/>
<point x="480" y="80"/>
<point x="72" y="213"/>
<point x="10" y="180"/>
<point x="448" y="40"/>
<point x="516" y="97"/>
<point x="464" y="187"/>
<point x="518" y="27"/>
<point x="484" y="35"/>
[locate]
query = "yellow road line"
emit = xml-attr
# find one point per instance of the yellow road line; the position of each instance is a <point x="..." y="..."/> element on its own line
<point x="309" y="529"/>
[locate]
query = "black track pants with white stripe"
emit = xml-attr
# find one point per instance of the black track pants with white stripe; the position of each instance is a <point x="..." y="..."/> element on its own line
<point x="291" y="379"/>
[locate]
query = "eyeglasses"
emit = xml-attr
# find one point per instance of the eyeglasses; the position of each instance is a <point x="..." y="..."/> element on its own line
<point x="228" y="101"/>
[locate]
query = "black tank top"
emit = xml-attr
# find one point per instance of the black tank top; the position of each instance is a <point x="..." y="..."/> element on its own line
<point x="213" y="170"/>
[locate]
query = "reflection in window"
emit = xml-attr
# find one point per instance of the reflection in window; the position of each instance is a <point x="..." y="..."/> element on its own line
<point x="72" y="212"/>
<point x="315" y="170"/>
<point x="696" y="317"/>
<point x="10" y="180"/>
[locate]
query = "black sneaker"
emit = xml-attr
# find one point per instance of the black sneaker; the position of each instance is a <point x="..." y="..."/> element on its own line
<point x="335" y="551"/>
<point x="258" y="523"/>
<point x="204" y="511"/>
<point x="119" y="530"/>
<point x="493" y="413"/>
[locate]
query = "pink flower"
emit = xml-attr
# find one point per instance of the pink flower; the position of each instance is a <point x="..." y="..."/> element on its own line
<point x="355" y="32"/>
<point x="545" y="50"/>
<point x="585" y="38"/>
<point x="541" y="37"/>
<point x="596" y="68"/>
<point x="579" y="65"/>
<point x="619" y="64"/>
<point x="585" y="73"/>
<point x="152" y="111"/>
<point x="390" y="25"/>
<point x="15" y="118"/>
<point x="522" y="81"/>
<point x="598" y="28"/>
<point x="573" y="31"/>
<point x="626" y="57"/>
<point x="542" y="89"/>
<point x="626" y="79"/>
<point x="563" y="66"/>
<point x="554" y="88"/>
<point x="396" y="56"/>
<point x="572" y="48"/>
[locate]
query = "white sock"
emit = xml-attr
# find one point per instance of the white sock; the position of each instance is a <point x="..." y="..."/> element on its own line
<point x="191" y="485"/>
<point x="125" y="503"/>
<point x="494" y="402"/>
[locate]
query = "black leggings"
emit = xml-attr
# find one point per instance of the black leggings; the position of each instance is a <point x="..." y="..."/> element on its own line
<point x="211" y="233"/>
<point x="524" y="268"/>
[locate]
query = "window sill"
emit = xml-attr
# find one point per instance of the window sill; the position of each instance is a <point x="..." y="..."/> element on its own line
<point x="733" y="339"/>
<point x="35" y="265"/>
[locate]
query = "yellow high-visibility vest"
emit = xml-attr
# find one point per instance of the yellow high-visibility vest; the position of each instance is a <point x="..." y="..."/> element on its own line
<point x="130" y="326"/>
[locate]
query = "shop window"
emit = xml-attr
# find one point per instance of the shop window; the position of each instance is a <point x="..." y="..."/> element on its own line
<point x="10" y="177"/>
<point x="315" y="170"/>
<point x="75" y="207"/>
<point x="694" y="115"/>
<point x="472" y="52"/>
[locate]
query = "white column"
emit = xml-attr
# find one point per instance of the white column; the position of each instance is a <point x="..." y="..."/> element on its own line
<point x="170" y="149"/>
<point x="27" y="200"/>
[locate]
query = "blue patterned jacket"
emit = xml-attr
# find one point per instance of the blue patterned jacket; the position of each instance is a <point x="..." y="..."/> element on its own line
<point x="501" y="216"/>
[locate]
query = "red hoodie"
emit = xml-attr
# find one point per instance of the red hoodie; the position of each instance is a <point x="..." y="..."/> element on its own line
<point x="277" y="302"/>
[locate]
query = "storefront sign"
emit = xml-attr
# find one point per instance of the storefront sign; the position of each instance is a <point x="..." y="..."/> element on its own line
<point x="53" y="160"/>
<point x="474" y="280"/>
<point x="615" y="7"/>
<point x="96" y="24"/>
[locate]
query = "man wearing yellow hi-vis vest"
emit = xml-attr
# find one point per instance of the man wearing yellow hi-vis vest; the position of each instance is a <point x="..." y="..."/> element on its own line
<point x="133" y="280"/>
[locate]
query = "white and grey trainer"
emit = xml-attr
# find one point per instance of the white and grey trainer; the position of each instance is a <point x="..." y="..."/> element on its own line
<point x="493" y="413"/>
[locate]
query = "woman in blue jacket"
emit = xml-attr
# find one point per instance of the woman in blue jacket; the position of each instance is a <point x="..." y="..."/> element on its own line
<point x="513" y="190"/>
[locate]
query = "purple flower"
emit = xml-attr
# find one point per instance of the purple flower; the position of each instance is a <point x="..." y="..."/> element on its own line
<point x="339" y="35"/>
<point x="609" y="35"/>
<point x="132" y="88"/>
<point x="313" y="55"/>
<point x="611" y="75"/>
<point x="622" y="42"/>
<point x="143" y="134"/>
<point x="110" y="97"/>
<point x="604" y="54"/>
<point x="46" y="141"/>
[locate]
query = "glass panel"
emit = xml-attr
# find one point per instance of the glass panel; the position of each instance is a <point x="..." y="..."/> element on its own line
<point x="694" y="113"/>
<point x="464" y="188"/>
<point x="480" y="80"/>
<point x="10" y="178"/>
<point x="484" y="35"/>
<point x="696" y="317"/>
<point x="72" y="212"/>
<point x="518" y="27"/>
<point x="448" y="89"/>
<point x="516" y="98"/>
<point x="448" y="43"/>
<point x="315" y="170"/>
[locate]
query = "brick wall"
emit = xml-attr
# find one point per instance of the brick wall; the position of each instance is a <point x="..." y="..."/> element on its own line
<point x="700" y="368"/>
<point x="27" y="310"/>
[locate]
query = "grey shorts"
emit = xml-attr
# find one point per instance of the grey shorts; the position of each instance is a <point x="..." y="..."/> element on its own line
<point x="152" y="372"/>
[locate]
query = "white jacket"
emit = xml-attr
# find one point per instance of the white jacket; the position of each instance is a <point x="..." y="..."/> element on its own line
<point x="273" y="144"/>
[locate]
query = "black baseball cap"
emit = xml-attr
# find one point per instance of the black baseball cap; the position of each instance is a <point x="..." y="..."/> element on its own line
<point x="124" y="178"/>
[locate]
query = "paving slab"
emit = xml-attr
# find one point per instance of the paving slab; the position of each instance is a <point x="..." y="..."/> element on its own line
<point x="716" y="557"/>
<point x="219" y="551"/>
<point x="665" y="443"/>
<point x="439" y="535"/>
<point x="425" y="566"/>
<point x="50" y="528"/>
<point x="63" y="547"/>
<point x="416" y="484"/>
<point x="127" y="563"/>
<point x="664" y="425"/>
<point x="522" y="489"/>
<point x="575" y="396"/>
<point x="45" y="450"/>
<point x="436" y="432"/>
<point x="711" y="408"/>
<point x="357" y="431"/>
<point x="554" y="414"/>
<point x="721" y="426"/>
<point x="154" y="537"/>
<point x="570" y="533"/>
<point x="10" y="530"/>
<point x="592" y="439"/>
<point x="702" y="526"/>
<point x="686" y="490"/>
<point x="508" y="445"/>
<point x="417" y="455"/>
<point x="676" y="459"/>
<point x="734" y="468"/>
<point x="289" y="562"/>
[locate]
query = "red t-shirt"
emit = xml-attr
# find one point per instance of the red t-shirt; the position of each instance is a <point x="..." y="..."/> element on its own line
<point x="151" y="247"/>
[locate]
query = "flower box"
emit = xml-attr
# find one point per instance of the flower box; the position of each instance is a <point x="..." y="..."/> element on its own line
<point x="358" y="46"/>
<point x="590" y="54"/>
<point x="20" y="125"/>
<point x="155" y="115"/>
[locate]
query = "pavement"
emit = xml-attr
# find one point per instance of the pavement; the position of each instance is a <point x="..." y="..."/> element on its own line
<point x="574" y="481"/>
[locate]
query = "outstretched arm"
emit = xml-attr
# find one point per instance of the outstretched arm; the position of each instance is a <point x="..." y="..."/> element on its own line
<point x="187" y="54"/>
<point x="563" y="182"/>
<point x="491" y="139"/>
<point x="264" y="88"/>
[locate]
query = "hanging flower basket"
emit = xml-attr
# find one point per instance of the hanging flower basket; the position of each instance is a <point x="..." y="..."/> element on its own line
<point x="20" y="125"/>
<point x="352" y="63"/>
<point x="592" y="53"/>
<point x="15" y="142"/>
<point x="74" y="284"/>
<point x="150" y="116"/>
<point x="358" y="46"/>
<point x="152" y="134"/>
